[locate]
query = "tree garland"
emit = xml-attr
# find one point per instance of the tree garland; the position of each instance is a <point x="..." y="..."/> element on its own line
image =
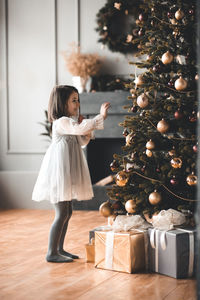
<point x="116" y="25"/>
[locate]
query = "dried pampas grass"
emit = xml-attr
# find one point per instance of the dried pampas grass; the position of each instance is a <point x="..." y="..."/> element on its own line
<point x="83" y="65"/>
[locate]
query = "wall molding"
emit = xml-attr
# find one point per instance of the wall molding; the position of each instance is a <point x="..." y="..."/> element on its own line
<point x="25" y="152"/>
<point x="8" y="147"/>
<point x="78" y="22"/>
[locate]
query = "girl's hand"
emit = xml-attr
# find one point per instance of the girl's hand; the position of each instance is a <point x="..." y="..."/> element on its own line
<point x="80" y="118"/>
<point x="104" y="109"/>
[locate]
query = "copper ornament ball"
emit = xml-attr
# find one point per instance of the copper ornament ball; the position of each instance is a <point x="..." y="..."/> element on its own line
<point x="180" y="84"/>
<point x="150" y="145"/>
<point x="162" y="126"/>
<point x="106" y="209"/>
<point x="191" y="179"/>
<point x="149" y="153"/>
<point x="179" y="14"/>
<point x="155" y="198"/>
<point x="121" y="178"/>
<point x="167" y="58"/>
<point x="130" y="206"/>
<point x="174" y="180"/>
<point x="178" y="114"/>
<point x="142" y="101"/>
<point x="176" y="162"/>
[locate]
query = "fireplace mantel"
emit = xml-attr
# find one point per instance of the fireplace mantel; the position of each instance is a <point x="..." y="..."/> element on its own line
<point x="90" y="106"/>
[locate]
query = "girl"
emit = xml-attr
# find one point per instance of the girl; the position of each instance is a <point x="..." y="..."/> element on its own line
<point x="64" y="173"/>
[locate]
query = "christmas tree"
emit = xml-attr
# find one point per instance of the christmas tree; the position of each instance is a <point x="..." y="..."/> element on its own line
<point x="158" y="167"/>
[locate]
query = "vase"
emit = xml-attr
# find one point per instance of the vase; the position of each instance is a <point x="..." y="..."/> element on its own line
<point x="82" y="84"/>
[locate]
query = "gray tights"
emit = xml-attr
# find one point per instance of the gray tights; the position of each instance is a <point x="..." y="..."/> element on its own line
<point x="56" y="253"/>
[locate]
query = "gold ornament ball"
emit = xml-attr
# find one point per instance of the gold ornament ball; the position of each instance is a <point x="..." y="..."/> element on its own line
<point x="139" y="80"/>
<point x="130" y="206"/>
<point x="180" y="84"/>
<point x="167" y="58"/>
<point x="106" y="209"/>
<point x="179" y="14"/>
<point x="129" y="139"/>
<point x="150" y="145"/>
<point x="121" y="178"/>
<point x="155" y="198"/>
<point x="149" y="153"/>
<point x="142" y="101"/>
<point x="191" y="179"/>
<point x="162" y="126"/>
<point x="176" y="162"/>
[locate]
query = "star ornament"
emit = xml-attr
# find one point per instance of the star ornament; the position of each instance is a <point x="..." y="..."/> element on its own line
<point x="117" y="5"/>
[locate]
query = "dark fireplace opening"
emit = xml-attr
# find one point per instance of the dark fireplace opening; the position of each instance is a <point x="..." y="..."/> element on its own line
<point x="100" y="154"/>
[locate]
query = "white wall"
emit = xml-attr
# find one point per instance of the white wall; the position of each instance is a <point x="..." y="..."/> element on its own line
<point x="33" y="34"/>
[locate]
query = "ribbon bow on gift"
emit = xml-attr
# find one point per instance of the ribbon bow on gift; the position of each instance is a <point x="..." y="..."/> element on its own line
<point x="167" y="219"/>
<point x="127" y="223"/>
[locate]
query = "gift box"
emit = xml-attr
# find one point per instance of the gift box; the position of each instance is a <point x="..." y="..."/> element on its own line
<point x="172" y="252"/>
<point x="121" y="251"/>
<point x="90" y="251"/>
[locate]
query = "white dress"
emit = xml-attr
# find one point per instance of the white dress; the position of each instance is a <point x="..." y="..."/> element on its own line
<point x="64" y="173"/>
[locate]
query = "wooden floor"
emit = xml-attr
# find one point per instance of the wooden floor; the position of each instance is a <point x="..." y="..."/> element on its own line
<point x="25" y="275"/>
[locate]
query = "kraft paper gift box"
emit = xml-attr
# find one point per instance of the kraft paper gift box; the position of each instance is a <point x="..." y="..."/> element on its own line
<point x="121" y="251"/>
<point x="90" y="252"/>
<point x="172" y="252"/>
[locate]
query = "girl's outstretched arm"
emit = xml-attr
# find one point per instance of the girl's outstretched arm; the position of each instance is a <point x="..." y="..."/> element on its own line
<point x="67" y="125"/>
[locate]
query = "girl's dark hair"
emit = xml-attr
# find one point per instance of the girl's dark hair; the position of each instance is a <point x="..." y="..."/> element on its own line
<point x="57" y="102"/>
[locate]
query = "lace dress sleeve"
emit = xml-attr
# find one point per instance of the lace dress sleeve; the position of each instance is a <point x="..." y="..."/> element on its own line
<point x="67" y="125"/>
